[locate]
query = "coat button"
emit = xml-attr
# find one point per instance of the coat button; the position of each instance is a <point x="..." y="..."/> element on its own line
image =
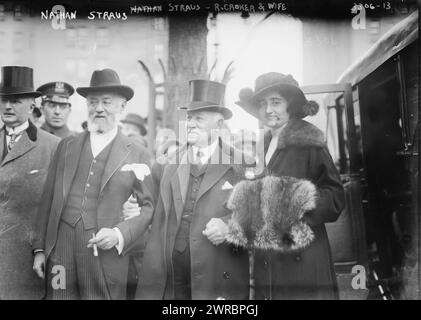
<point x="298" y="257"/>
<point x="226" y="275"/>
<point x="265" y="263"/>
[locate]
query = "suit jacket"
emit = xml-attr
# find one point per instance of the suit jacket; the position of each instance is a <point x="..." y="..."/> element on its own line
<point x="216" y="271"/>
<point x="116" y="188"/>
<point x="22" y="175"/>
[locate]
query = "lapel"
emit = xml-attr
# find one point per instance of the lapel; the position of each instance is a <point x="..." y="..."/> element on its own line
<point x="179" y="184"/>
<point x="216" y="169"/>
<point x="165" y="187"/>
<point x="118" y="153"/>
<point x="1" y="142"/>
<point x="214" y="173"/>
<point x="21" y="147"/>
<point x="71" y="160"/>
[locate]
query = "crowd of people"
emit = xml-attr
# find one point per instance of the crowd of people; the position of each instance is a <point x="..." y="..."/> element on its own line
<point x="92" y="215"/>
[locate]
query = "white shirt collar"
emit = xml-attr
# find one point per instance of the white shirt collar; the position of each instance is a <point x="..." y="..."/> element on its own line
<point x="17" y="129"/>
<point x="206" y="151"/>
<point x="100" y="140"/>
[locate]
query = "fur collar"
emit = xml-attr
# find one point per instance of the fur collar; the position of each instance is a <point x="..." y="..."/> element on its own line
<point x="298" y="133"/>
<point x="31" y="131"/>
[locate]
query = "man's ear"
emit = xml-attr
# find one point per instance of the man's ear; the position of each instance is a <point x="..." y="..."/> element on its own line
<point x="220" y="123"/>
<point x="123" y="105"/>
<point x="32" y="105"/>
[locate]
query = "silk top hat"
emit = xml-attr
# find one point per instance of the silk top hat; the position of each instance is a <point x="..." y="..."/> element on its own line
<point x="58" y="92"/>
<point x="136" y="120"/>
<point x="286" y="85"/>
<point x="106" y="80"/>
<point x="207" y="95"/>
<point x="16" y="80"/>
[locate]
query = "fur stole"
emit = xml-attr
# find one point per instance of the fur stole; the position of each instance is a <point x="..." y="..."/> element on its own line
<point x="298" y="133"/>
<point x="268" y="212"/>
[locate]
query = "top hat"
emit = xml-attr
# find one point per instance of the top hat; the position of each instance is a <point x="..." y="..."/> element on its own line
<point x="286" y="85"/>
<point x="207" y="95"/>
<point x="58" y="92"/>
<point x="16" y="80"/>
<point x="106" y="80"/>
<point x="137" y="120"/>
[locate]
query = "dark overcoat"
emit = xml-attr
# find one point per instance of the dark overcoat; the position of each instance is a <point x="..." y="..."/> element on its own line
<point x="306" y="274"/>
<point x="22" y="175"/>
<point x="216" y="271"/>
<point x="116" y="188"/>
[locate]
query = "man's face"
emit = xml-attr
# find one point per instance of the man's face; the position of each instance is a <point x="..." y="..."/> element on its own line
<point x="273" y="110"/>
<point x="202" y="127"/>
<point x="104" y="111"/>
<point x="129" y="129"/>
<point x="15" y="110"/>
<point x="56" y="114"/>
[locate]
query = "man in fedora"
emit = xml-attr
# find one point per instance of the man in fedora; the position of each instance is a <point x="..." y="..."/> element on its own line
<point x="133" y="125"/>
<point x="56" y="108"/>
<point x="186" y="256"/>
<point x="82" y="229"/>
<point x="25" y="153"/>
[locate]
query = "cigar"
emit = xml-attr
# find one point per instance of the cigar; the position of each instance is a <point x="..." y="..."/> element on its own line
<point x="95" y="248"/>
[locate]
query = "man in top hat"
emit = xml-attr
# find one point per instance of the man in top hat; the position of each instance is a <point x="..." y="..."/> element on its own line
<point x="81" y="226"/>
<point x="25" y="154"/>
<point x="133" y="125"/>
<point x="186" y="256"/>
<point x="56" y="107"/>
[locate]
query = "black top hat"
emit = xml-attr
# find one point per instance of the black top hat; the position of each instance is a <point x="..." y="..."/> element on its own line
<point x="286" y="85"/>
<point x="16" y="80"/>
<point x="207" y="95"/>
<point x="106" y="80"/>
<point x="137" y="120"/>
<point x="58" y="92"/>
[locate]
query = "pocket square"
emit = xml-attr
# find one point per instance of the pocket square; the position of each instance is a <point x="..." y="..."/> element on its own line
<point x="140" y="170"/>
<point x="33" y="171"/>
<point x="227" y="186"/>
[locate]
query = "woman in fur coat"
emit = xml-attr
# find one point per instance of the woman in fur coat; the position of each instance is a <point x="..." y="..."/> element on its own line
<point x="282" y="216"/>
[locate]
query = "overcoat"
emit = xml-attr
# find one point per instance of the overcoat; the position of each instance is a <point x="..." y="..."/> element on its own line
<point x="216" y="271"/>
<point x="116" y="188"/>
<point x="22" y="175"/>
<point x="308" y="273"/>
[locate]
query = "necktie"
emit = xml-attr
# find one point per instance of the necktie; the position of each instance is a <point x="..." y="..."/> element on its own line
<point x="12" y="141"/>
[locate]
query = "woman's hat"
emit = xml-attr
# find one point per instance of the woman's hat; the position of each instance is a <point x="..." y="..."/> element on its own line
<point x="16" y="80"/>
<point x="136" y="120"/>
<point x="207" y="95"/>
<point x="287" y="86"/>
<point x="106" y="80"/>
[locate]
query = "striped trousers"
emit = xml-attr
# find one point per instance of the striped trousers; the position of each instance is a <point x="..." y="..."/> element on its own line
<point x="83" y="276"/>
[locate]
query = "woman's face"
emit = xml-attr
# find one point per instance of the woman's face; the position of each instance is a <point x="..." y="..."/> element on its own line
<point x="273" y="109"/>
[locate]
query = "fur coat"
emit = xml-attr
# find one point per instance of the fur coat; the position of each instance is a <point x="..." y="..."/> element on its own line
<point x="283" y="216"/>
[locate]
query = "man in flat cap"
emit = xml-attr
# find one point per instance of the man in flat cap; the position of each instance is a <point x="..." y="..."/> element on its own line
<point x="133" y="125"/>
<point x="186" y="256"/>
<point x="25" y="154"/>
<point x="82" y="228"/>
<point x="56" y="108"/>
